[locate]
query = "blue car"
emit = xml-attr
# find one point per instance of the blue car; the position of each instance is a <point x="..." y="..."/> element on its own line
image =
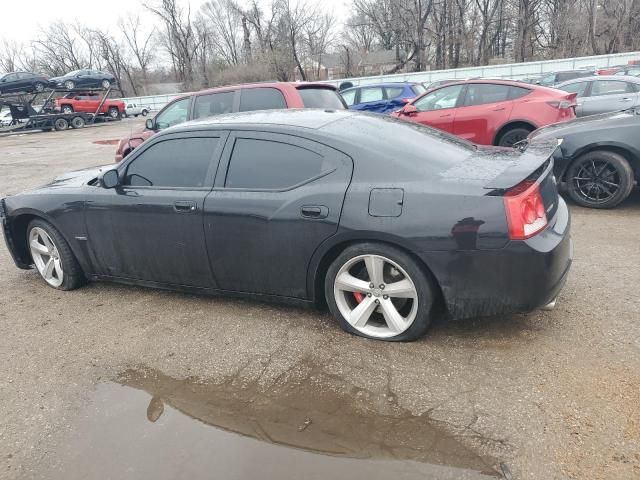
<point x="381" y="98"/>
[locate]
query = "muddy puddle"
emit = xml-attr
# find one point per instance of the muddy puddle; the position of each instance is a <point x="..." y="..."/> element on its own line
<point x="146" y="425"/>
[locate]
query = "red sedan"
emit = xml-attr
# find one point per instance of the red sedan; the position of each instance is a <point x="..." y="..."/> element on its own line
<point x="490" y="112"/>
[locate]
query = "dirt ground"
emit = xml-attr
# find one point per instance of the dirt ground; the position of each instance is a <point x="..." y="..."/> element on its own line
<point x="551" y="395"/>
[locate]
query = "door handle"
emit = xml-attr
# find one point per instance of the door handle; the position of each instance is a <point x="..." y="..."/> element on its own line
<point x="184" y="206"/>
<point x="626" y="99"/>
<point x="499" y="109"/>
<point x="314" y="211"/>
<point x="445" y="116"/>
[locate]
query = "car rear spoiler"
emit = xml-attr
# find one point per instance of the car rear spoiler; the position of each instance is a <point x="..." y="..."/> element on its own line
<point x="528" y="156"/>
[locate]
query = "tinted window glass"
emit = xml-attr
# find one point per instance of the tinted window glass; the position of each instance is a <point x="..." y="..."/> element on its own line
<point x="320" y="98"/>
<point x="580" y="88"/>
<point x="181" y="162"/>
<point x="372" y="94"/>
<point x="213" y="104"/>
<point x="393" y="92"/>
<point x="517" y="92"/>
<point x="483" y="93"/>
<point x="438" y="99"/>
<point x="261" y="99"/>
<point x="610" y="87"/>
<point x="548" y="80"/>
<point x="258" y="164"/>
<point x="174" y="114"/>
<point x="349" y="96"/>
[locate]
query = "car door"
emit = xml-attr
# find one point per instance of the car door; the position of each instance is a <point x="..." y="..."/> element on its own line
<point x="371" y="99"/>
<point x="276" y="199"/>
<point x="10" y="83"/>
<point x="485" y="108"/>
<point x="150" y="227"/>
<point x="609" y="96"/>
<point x="437" y="108"/>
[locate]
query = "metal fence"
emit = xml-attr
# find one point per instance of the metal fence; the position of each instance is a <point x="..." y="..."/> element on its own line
<point x="511" y="70"/>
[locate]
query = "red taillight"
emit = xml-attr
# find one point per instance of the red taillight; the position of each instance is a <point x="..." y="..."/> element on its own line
<point x="561" y="104"/>
<point x="525" y="210"/>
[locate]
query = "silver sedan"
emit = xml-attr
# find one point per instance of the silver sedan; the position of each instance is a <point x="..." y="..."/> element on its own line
<point x="603" y="93"/>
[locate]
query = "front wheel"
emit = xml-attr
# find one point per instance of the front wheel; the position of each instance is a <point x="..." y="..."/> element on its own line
<point x="513" y="136"/>
<point x="379" y="292"/>
<point x="145" y="113"/>
<point x="67" y="109"/>
<point x="599" y="179"/>
<point x="106" y="84"/>
<point x="69" y="85"/>
<point x="53" y="257"/>
<point x="39" y="87"/>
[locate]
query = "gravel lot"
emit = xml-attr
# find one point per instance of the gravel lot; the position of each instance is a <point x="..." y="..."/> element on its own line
<point x="553" y="395"/>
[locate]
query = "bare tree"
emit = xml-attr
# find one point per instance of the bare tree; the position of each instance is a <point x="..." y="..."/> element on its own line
<point x="139" y="43"/>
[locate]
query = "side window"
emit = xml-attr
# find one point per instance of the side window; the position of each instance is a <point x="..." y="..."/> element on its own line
<point x="267" y="164"/>
<point x="261" y="99"/>
<point x="349" y="96"/>
<point x="446" y="97"/>
<point x="180" y="163"/>
<point x="213" y="104"/>
<point x="580" y="88"/>
<point x="610" y="87"/>
<point x="371" y="94"/>
<point x="174" y="114"/>
<point x="518" y="92"/>
<point x="548" y="80"/>
<point x="11" y="77"/>
<point x="483" y="93"/>
<point x="394" y="92"/>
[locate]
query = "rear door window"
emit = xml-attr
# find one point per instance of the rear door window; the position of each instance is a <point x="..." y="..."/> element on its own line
<point x="483" y="93"/>
<point x="518" y="92"/>
<point x="213" y="104"/>
<point x="321" y="98"/>
<point x="394" y="92"/>
<point x="261" y="99"/>
<point x="177" y="163"/>
<point x="258" y="164"/>
<point x="580" y="88"/>
<point x="371" y="94"/>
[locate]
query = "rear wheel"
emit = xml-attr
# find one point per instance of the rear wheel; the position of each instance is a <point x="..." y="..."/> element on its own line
<point x="77" y="122"/>
<point x="106" y="84"/>
<point x="60" y="124"/>
<point x="53" y="257"/>
<point x="599" y="179"/>
<point x="67" y="109"/>
<point x="145" y="113"/>
<point x="113" y="112"/>
<point x="513" y="136"/>
<point x="69" y="85"/>
<point x="39" y="87"/>
<point x="379" y="292"/>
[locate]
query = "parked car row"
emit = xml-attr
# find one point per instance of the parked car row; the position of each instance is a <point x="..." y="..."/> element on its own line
<point x="29" y="82"/>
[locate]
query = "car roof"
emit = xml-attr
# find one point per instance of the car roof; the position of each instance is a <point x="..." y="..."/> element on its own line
<point x="626" y="78"/>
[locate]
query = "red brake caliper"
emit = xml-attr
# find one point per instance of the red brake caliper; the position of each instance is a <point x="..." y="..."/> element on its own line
<point x="359" y="296"/>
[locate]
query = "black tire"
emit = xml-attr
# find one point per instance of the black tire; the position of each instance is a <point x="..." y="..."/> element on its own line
<point x="513" y="136"/>
<point x="113" y="112"/>
<point x="105" y="84"/>
<point x="145" y="113"/>
<point x="424" y="286"/>
<point x="39" y="87"/>
<point x="599" y="179"/>
<point x="73" y="276"/>
<point x="77" y="122"/>
<point x="67" y="109"/>
<point x="69" y="85"/>
<point x="60" y="124"/>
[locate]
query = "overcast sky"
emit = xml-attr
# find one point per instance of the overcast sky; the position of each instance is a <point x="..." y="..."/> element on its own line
<point x="24" y="18"/>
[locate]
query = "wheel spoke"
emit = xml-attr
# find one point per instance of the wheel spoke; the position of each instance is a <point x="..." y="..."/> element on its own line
<point x="391" y="315"/>
<point x="346" y="281"/>
<point x="57" y="266"/>
<point x="611" y="184"/>
<point x="47" y="273"/>
<point x="47" y="242"/>
<point x="360" y="315"/>
<point x="374" y="269"/>
<point x="402" y="289"/>
<point x="38" y="247"/>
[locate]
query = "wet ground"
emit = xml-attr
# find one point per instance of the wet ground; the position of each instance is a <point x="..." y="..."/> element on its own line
<point x="129" y="383"/>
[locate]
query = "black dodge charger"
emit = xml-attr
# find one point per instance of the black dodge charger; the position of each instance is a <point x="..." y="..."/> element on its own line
<point x="382" y="220"/>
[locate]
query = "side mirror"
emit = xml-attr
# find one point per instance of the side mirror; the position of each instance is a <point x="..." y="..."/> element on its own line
<point x="150" y="124"/>
<point x="110" y="179"/>
<point x="409" y="109"/>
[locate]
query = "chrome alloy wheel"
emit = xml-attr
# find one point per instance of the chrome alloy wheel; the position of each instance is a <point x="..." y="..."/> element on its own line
<point x="376" y="296"/>
<point x="46" y="257"/>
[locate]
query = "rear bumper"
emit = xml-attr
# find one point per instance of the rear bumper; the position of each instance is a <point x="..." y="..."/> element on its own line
<point x="522" y="277"/>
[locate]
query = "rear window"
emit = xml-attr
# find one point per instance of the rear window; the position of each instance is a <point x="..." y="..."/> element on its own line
<point x="321" y="98"/>
<point x="261" y="99"/>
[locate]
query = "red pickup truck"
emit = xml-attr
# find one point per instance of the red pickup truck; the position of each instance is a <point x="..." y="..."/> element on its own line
<point x="88" y="103"/>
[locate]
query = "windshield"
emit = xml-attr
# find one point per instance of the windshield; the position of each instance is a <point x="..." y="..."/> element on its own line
<point x="321" y="98"/>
